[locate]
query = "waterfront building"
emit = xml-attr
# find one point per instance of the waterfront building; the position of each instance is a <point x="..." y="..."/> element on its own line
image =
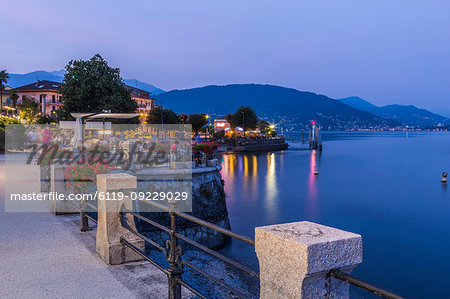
<point x="144" y="102"/>
<point x="221" y="124"/>
<point x="46" y="94"/>
<point x="6" y="101"/>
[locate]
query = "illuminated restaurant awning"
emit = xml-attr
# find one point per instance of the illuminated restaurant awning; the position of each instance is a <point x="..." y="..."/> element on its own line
<point x="90" y="116"/>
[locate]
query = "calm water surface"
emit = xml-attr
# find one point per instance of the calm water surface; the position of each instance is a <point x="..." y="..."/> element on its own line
<point x="384" y="186"/>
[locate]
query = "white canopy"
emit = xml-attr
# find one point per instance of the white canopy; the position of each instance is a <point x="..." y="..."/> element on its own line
<point x="78" y="136"/>
<point x="89" y="116"/>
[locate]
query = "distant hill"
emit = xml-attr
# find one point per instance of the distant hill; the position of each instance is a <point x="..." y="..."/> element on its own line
<point x="407" y="115"/>
<point x="144" y="86"/>
<point x="287" y="107"/>
<point x="16" y="80"/>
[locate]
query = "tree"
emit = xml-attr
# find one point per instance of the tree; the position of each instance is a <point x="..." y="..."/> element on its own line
<point x="197" y="121"/>
<point x="229" y="118"/>
<point x="14" y="97"/>
<point x="183" y="118"/>
<point x="244" y="117"/>
<point x="264" y="126"/>
<point x="29" y="110"/>
<point x="44" y="119"/>
<point x="168" y="116"/>
<point x="4" y="120"/>
<point x="4" y="76"/>
<point x="93" y="86"/>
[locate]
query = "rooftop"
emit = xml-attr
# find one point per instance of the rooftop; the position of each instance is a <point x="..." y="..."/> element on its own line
<point x="136" y="92"/>
<point x="52" y="85"/>
<point x="40" y="85"/>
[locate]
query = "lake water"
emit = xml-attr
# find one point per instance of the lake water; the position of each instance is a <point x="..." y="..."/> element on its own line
<point x="384" y="186"/>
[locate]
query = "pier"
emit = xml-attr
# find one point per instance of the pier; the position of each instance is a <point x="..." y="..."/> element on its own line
<point x="254" y="144"/>
<point x="315" y="137"/>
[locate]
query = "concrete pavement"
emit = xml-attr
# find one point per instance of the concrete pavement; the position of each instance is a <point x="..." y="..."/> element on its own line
<point x="46" y="256"/>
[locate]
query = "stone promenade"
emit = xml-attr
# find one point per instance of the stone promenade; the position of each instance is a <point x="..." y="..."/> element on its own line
<point x="46" y="256"/>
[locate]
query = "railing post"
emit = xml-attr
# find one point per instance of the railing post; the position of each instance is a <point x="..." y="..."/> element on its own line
<point x="84" y="223"/>
<point x="129" y="148"/>
<point x="57" y="186"/>
<point x="173" y="258"/>
<point x="295" y="259"/>
<point x="109" y="221"/>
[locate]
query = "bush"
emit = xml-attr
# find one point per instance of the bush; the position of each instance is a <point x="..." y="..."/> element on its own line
<point x="4" y="120"/>
<point x="219" y="134"/>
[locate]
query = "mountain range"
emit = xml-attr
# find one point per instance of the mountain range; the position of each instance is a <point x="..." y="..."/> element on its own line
<point x="289" y="108"/>
<point x="407" y="115"/>
<point x="16" y="80"/>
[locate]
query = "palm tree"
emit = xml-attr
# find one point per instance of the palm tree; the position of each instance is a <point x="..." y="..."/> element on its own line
<point x="14" y="97"/>
<point x="4" y="76"/>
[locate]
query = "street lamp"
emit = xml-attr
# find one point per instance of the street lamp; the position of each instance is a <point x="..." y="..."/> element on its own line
<point x="207" y="118"/>
<point x="162" y="113"/>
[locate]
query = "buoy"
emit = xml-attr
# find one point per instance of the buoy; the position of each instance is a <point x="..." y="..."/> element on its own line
<point x="444" y="177"/>
<point x="316" y="172"/>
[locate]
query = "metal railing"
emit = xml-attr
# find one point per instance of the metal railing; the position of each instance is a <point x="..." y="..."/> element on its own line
<point x="338" y="274"/>
<point x="84" y="216"/>
<point x="173" y="252"/>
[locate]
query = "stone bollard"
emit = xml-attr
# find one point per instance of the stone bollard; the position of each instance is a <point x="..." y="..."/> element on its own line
<point x="57" y="186"/>
<point x="180" y="165"/>
<point x="45" y="178"/>
<point x="295" y="258"/>
<point x="109" y="226"/>
<point x="212" y="163"/>
<point x="131" y="148"/>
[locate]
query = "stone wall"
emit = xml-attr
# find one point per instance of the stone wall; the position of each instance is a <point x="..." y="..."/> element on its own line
<point x="273" y="144"/>
<point x="208" y="203"/>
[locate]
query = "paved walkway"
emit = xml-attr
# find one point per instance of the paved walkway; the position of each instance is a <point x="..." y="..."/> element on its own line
<point x="46" y="256"/>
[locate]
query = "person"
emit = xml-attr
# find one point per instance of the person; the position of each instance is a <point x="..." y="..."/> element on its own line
<point x="198" y="138"/>
<point x="32" y="135"/>
<point x="46" y="136"/>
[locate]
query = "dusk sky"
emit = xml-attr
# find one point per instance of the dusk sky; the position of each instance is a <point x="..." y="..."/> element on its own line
<point x="384" y="51"/>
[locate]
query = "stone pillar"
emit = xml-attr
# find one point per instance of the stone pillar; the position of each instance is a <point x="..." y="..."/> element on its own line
<point x="212" y="163"/>
<point x="294" y="259"/>
<point x="44" y="178"/>
<point x="109" y="226"/>
<point x="127" y="147"/>
<point x="57" y="186"/>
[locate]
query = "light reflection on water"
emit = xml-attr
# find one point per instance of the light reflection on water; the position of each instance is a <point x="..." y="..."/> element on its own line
<point x="312" y="185"/>
<point x="271" y="187"/>
<point x="385" y="187"/>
